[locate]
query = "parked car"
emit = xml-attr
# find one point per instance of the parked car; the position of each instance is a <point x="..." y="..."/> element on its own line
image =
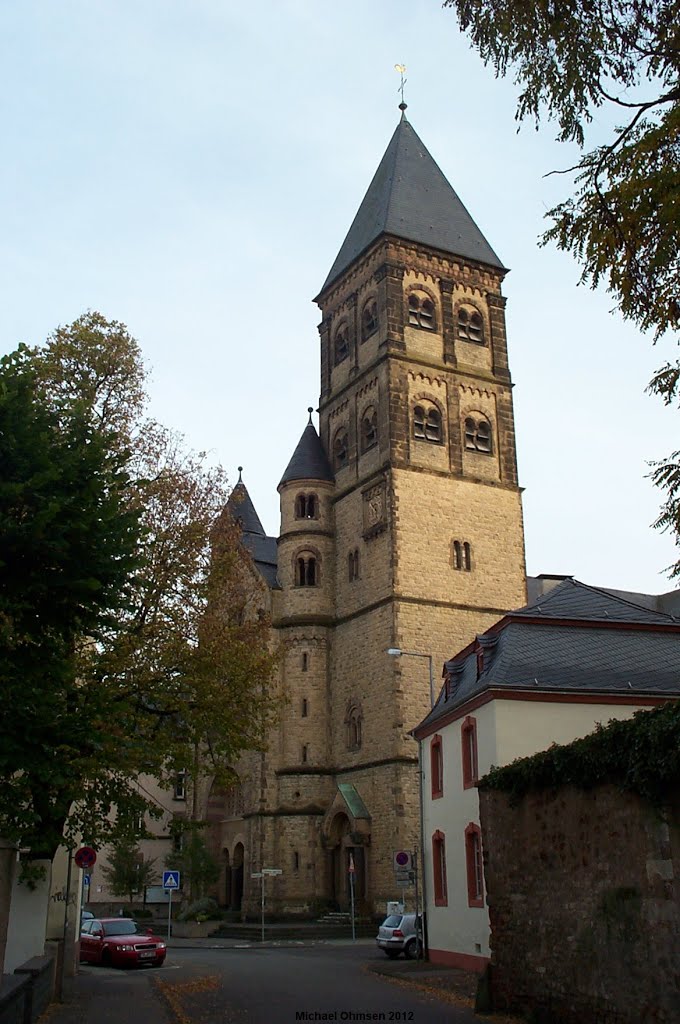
<point x="397" y="934"/>
<point x="120" y="942"/>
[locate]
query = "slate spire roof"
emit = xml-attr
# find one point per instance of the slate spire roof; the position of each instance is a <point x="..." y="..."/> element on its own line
<point x="242" y="509"/>
<point x="309" y="461"/>
<point x="409" y="197"/>
<point x="263" y="549"/>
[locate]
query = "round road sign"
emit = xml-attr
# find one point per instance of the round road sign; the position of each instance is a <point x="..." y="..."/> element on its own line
<point x="85" y="857"/>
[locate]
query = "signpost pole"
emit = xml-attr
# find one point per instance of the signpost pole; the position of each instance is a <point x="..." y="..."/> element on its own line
<point x="169" y="911"/>
<point x="262" y="908"/>
<point x="352" y="872"/>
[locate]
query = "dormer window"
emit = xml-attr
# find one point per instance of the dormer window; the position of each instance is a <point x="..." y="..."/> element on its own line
<point x="369" y="429"/>
<point x="341" y="346"/>
<point x="341" y="448"/>
<point x="421" y="311"/>
<point x="369" y="319"/>
<point x="478" y="435"/>
<point x="470" y="324"/>
<point x="306" y="506"/>
<point x="427" y="423"/>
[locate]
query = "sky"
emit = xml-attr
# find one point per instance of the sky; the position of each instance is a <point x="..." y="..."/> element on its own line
<point x="191" y="168"/>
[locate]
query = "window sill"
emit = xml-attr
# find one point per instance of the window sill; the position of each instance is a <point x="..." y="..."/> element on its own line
<point x="476" y="901"/>
<point x="441" y="901"/>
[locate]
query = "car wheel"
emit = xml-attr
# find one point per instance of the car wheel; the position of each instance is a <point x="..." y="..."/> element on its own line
<point x="411" y="949"/>
<point x="392" y="953"/>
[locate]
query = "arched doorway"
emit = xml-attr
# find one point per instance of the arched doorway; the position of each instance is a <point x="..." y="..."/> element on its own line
<point x="343" y="855"/>
<point x="226" y="886"/>
<point x="237" y="878"/>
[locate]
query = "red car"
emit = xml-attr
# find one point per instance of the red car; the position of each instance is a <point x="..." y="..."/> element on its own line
<point x="118" y="941"/>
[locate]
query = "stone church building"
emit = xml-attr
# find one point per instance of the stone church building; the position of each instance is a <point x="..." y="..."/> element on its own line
<point x="401" y="527"/>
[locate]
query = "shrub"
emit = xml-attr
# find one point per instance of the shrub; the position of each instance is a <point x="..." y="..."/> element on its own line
<point x="205" y="909"/>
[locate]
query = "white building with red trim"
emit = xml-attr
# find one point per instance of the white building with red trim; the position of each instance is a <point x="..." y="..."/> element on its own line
<point x="548" y="673"/>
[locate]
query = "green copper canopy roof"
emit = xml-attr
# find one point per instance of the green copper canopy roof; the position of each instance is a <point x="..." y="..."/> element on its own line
<point x="409" y="197"/>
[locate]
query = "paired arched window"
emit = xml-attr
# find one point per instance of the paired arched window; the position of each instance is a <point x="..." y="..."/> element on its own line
<point x="427" y="423"/>
<point x="470" y="324"/>
<point x="353" y="565"/>
<point x="369" y="429"/>
<point x="340" y="448"/>
<point x="462" y="555"/>
<point x="306" y="570"/>
<point x="353" y="720"/>
<point x="341" y="344"/>
<point x="478" y="435"/>
<point x="369" y="319"/>
<point x="421" y="311"/>
<point x="306" y="506"/>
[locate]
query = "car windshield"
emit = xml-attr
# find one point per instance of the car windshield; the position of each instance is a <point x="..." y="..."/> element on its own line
<point x="120" y="928"/>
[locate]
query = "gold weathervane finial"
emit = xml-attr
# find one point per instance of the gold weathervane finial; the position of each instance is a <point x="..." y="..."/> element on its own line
<point x="401" y="68"/>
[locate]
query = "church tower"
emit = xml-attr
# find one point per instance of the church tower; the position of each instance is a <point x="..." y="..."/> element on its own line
<point x="401" y="528"/>
<point x="416" y="418"/>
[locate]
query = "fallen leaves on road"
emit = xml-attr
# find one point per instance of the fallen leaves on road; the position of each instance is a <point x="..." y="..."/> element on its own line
<point x="447" y="987"/>
<point x="174" y="992"/>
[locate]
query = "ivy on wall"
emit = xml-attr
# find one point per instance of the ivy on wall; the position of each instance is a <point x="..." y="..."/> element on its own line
<point x="641" y="755"/>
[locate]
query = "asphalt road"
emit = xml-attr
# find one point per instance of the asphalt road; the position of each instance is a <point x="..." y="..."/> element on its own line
<point x="254" y="985"/>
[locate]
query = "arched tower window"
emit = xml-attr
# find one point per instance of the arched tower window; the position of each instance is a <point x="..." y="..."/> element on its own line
<point x="427" y="423"/>
<point x="353" y="721"/>
<point x="306" y="570"/>
<point x="341" y="344"/>
<point x="369" y="319"/>
<point x="461" y="551"/>
<point x="369" y="429"/>
<point x="470" y="325"/>
<point x="306" y="506"/>
<point x="478" y="434"/>
<point x="353" y="565"/>
<point x="421" y="311"/>
<point x="341" y="448"/>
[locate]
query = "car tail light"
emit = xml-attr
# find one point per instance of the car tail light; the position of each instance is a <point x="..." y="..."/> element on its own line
<point x="397" y="934"/>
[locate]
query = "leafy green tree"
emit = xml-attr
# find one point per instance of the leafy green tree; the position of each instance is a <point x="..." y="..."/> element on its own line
<point x="128" y="873"/>
<point x="197" y="866"/>
<point x="571" y="58"/>
<point x="130" y="633"/>
<point x="68" y="543"/>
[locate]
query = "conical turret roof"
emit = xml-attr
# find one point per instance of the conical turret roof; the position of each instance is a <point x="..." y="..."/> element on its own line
<point x="309" y="461"/>
<point x="409" y="197"/>
<point x="241" y="508"/>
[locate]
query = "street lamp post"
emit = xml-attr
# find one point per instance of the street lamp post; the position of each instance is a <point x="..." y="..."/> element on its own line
<point x="397" y="652"/>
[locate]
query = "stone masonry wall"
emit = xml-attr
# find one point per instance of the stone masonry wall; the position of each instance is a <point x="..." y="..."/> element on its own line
<point x="584" y="901"/>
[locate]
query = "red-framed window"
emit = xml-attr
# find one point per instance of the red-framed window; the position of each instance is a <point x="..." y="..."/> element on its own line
<point x="468" y="742"/>
<point x="474" y="865"/>
<point x="437" y="767"/>
<point x="441" y="898"/>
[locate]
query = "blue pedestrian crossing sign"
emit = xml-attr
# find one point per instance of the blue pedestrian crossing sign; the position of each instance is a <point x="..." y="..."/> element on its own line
<point x="171" y="879"/>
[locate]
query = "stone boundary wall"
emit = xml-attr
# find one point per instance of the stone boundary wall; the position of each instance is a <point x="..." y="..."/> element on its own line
<point x="583" y="890"/>
<point x="26" y="994"/>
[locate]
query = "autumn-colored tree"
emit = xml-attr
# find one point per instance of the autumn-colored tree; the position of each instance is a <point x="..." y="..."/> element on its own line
<point x="174" y="656"/>
<point x="570" y="59"/>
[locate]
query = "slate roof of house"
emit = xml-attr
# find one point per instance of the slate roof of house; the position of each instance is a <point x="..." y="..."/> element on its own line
<point x="409" y="197"/>
<point x="309" y="460"/>
<point x="263" y="549"/>
<point x="575" y="639"/>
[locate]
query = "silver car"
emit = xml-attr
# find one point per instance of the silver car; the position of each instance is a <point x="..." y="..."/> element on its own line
<point x="397" y="934"/>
